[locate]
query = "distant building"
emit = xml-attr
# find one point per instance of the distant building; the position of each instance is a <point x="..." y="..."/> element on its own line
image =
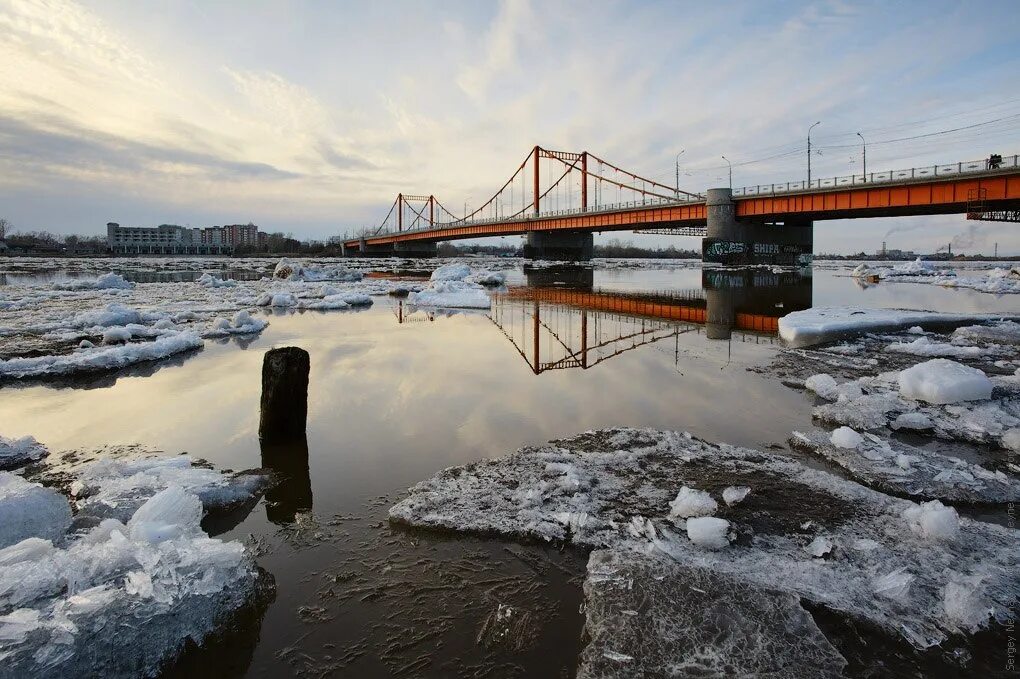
<point x="171" y="239"/>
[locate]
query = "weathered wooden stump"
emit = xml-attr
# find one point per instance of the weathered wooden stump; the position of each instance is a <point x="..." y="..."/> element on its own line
<point x="284" y="407"/>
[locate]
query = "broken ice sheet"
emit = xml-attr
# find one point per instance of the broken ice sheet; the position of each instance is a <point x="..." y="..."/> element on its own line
<point x="901" y="469"/>
<point x="640" y="471"/>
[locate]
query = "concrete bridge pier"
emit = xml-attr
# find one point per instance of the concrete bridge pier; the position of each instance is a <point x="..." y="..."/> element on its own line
<point x="732" y="241"/>
<point x="414" y="249"/>
<point x="559" y="245"/>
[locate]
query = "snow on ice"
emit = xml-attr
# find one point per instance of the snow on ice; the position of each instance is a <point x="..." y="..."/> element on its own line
<point x="639" y="472"/>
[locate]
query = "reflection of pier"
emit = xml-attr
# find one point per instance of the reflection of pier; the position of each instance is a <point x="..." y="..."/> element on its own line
<point x="292" y="494"/>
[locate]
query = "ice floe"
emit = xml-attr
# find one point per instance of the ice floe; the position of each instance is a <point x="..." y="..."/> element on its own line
<point x="615" y="477"/>
<point x="243" y="323"/>
<point x="118" y="592"/>
<point x="990" y="278"/>
<point x="824" y="324"/>
<point x="452" y="294"/>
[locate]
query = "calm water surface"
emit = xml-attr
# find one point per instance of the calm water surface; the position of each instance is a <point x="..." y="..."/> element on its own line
<point x="397" y="394"/>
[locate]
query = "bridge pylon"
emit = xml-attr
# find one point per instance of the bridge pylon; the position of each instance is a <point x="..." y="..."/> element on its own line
<point x="729" y="240"/>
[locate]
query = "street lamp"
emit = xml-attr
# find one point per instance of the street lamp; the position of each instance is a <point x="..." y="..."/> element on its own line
<point x="731" y="171"/>
<point x="864" y="153"/>
<point x="465" y="211"/>
<point x="678" y="172"/>
<point x="809" y="152"/>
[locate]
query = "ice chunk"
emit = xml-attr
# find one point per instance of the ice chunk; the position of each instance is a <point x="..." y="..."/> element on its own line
<point x="116" y="335"/>
<point x="845" y="437"/>
<point x="942" y="381"/>
<point x="242" y="324"/>
<point x="16" y="453"/>
<point x="28" y="510"/>
<point x="933" y="520"/>
<point x="819" y="547"/>
<point x="894" y="585"/>
<point x="912" y="421"/>
<point x="734" y="494"/>
<point x="692" y="502"/>
<point x="824" y="385"/>
<point x="170" y="513"/>
<point x="708" y="532"/>
<point x="276" y="299"/>
<point x="1011" y="439"/>
<point x="487" y="278"/>
<point x="451" y="272"/>
<point x="209" y="281"/>
<point x="964" y="603"/>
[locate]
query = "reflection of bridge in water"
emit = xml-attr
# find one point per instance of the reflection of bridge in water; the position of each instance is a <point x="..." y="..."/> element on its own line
<point x="559" y="321"/>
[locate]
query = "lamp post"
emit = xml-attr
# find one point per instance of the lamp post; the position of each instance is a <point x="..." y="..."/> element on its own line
<point x="678" y="172"/>
<point x="864" y="154"/>
<point x="731" y="171"/>
<point x="465" y="211"/>
<point x="809" y="152"/>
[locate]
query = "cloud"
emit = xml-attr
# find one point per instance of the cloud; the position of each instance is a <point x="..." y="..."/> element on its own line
<point x="320" y="115"/>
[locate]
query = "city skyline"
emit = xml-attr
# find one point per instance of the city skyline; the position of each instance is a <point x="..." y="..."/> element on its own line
<point x="146" y="114"/>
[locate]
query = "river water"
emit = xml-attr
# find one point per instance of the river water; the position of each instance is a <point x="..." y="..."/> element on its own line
<point x="397" y="394"/>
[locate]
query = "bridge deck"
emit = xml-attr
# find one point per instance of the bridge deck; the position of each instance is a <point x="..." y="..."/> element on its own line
<point x="992" y="189"/>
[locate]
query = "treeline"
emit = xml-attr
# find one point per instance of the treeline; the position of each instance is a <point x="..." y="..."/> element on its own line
<point x="618" y="249"/>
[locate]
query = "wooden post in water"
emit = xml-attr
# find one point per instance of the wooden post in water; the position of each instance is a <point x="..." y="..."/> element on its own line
<point x="284" y="408"/>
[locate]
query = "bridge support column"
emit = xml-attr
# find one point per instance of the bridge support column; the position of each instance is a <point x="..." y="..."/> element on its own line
<point x="366" y="250"/>
<point x="729" y="241"/>
<point x="559" y="245"/>
<point x="414" y="249"/>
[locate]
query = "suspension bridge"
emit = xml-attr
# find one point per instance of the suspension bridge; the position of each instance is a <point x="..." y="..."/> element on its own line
<point x="559" y="199"/>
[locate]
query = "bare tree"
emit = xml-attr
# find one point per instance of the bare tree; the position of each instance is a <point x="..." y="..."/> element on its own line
<point x="4" y="225"/>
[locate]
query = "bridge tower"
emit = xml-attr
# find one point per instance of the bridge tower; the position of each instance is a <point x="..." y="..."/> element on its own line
<point x="732" y="241"/>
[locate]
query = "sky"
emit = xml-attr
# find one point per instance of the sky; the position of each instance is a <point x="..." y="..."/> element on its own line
<point x="309" y="117"/>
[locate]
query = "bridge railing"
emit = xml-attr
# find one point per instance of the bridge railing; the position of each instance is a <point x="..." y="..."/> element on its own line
<point x="1006" y="163"/>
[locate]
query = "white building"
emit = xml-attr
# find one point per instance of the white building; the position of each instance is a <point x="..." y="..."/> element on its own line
<point x="165" y="239"/>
